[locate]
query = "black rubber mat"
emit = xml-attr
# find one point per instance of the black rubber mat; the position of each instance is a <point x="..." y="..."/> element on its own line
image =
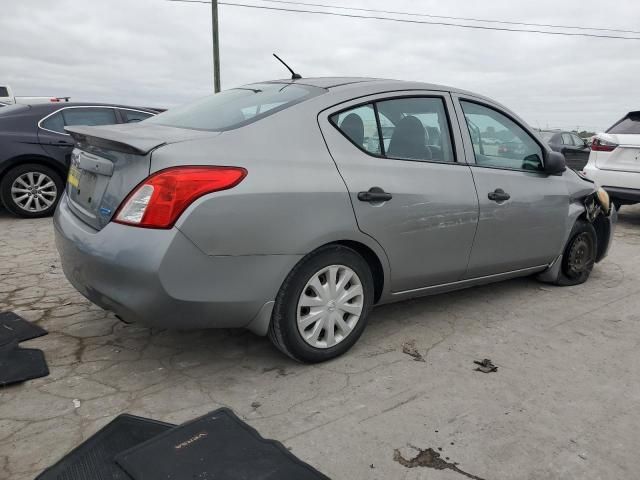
<point x="215" y="446"/>
<point x="20" y="364"/>
<point x="94" y="459"/>
<point x="14" y="327"/>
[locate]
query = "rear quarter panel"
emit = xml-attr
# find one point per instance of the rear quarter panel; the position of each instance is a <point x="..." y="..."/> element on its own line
<point x="18" y="139"/>
<point x="292" y="200"/>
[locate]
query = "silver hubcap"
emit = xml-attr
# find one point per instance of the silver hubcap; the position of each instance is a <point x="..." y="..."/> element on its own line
<point x="330" y="306"/>
<point x="34" y="191"/>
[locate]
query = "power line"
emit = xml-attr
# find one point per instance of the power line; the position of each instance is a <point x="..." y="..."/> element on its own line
<point x="417" y="14"/>
<point x="419" y="22"/>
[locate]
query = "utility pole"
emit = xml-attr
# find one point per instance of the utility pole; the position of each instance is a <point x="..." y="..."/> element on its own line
<point x="216" y="46"/>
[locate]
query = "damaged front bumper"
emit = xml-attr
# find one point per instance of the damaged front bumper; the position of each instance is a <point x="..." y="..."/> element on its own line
<point x="603" y="215"/>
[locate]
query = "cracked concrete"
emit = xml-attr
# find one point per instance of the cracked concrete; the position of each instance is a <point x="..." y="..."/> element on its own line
<point x="565" y="402"/>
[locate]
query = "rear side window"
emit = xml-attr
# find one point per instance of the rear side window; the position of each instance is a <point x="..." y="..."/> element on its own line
<point x="54" y="123"/>
<point x="628" y="125"/>
<point x="413" y="128"/>
<point x="236" y="107"/>
<point x="359" y="125"/>
<point x="566" y="139"/>
<point x="79" y="116"/>
<point x="89" y="116"/>
<point x="4" y="92"/>
<point x="134" y="116"/>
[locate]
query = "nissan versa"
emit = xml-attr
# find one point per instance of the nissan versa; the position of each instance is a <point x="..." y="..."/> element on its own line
<point x="291" y="207"/>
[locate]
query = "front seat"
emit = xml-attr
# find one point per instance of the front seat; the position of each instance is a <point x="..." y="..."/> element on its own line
<point x="353" y="127"/>
<point x="409" y="140"/>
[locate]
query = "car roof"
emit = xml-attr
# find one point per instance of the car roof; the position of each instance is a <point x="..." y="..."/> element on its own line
<point x="383" y="83"/>
<point x="49" y="107"/>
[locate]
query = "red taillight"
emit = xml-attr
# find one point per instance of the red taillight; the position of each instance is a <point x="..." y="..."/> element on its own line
<point x="160" y="199"/>
<point x="600" y="145"/>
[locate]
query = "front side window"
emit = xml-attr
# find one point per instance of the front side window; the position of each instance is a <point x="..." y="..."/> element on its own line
<point x="413" y="128"/>
<point x="516" y="149"/>
<point x="566" y="139"/>
<point x="236" y="107"/>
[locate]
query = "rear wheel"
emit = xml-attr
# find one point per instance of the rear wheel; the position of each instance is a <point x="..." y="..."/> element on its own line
<point x="322" y="307"/>
<point x="579" y="255"/>
<point x="31" y="190"/>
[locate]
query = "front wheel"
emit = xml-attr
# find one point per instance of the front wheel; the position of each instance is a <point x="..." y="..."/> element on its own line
<point x="322" y="306"/>
<point x="579" y="254"/>
<point x="31" y="190"/>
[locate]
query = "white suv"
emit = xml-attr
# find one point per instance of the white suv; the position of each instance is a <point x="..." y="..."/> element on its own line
<point x="614" y="162"/>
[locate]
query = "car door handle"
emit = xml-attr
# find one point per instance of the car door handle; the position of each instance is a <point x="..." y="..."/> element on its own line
<point x="499" y="195"/>
<point x="375" y="194"/>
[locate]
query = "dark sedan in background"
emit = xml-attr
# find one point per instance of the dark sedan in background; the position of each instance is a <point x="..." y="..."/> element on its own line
<point x="575" y="149"/>
<point x="35" y="149"/>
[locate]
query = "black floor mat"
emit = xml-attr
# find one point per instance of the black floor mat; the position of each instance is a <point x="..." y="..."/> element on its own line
<point x="215" y="446"/>
<point x="94" y="459"/>
<point x="20" y="364"/>
<point x="14" y="327"/>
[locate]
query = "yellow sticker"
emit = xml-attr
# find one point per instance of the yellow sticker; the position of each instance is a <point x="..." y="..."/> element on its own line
<point x="74" y="177"/>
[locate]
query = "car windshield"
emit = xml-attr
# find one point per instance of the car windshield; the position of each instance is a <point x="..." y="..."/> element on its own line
<point x="628" y="125"/>
<point x="236" y="107"/>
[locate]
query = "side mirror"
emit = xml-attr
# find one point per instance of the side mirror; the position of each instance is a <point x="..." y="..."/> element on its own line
<point x="555" y="163"/>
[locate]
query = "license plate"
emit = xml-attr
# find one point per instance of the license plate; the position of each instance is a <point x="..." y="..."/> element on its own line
<point x="74" y="177"/>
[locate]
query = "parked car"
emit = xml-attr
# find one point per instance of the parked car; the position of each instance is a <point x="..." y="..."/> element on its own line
<point x="6" y="94"/>
<point x="614" y="162"/>
<point x="574" y="148"/>
<point x="268" y="207"/>
<point x="35" y="150"/>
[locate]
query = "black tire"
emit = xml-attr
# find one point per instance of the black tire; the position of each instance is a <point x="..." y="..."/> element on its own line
<point x="10" y="177"/>
<point x="579" y="254"/>
<point x="283" y="329"/>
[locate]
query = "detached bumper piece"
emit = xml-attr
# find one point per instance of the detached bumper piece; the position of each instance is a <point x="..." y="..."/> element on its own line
<point x="217" y="445"/>
<point x="19" y="364"/>
<point x="94" y="459"/>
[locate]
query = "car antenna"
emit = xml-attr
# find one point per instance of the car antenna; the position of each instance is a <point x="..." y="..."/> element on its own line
<point x="294" y="75"/>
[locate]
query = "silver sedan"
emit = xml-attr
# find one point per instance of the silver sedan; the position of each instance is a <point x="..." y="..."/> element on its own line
<point x="292" y="207"/>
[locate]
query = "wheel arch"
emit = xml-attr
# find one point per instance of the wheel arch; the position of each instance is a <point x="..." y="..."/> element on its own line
<point x="43" y="160"/>
<point x="372" y="259"/>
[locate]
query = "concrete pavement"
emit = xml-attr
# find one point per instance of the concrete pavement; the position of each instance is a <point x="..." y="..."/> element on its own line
<point x="564" y="403"/>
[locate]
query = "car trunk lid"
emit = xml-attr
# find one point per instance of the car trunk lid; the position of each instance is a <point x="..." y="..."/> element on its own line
<point x="109" y="161"/>
<point x="625" y="157"/>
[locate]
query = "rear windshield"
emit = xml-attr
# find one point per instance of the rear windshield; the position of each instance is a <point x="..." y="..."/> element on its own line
<point x="236" y="107"/>
<point x="629" y="124"/>
<point x="547" y="136"/>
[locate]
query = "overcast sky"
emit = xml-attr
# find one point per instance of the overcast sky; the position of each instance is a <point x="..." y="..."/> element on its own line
<point x="158" y="53"/>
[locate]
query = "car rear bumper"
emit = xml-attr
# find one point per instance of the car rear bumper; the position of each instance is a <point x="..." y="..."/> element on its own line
<point x="626" y="195"/>
<point x="160" y="278"/>
<point x="624" y="186"/>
